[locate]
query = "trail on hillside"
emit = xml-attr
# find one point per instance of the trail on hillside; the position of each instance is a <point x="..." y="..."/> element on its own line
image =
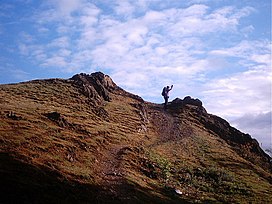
<point x="110" y="163"/>
<point x="168" y="126"/>
<point x="112" y="174"/>
<point x="109" y="170"/>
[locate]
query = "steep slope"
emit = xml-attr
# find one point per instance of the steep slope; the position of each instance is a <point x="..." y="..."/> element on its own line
<point x="86" y="140"/>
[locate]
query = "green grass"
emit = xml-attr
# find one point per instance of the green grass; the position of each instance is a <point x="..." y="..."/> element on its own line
<point x="209" y="183"/>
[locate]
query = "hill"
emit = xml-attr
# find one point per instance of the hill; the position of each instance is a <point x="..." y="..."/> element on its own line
<point x="86" y="140"/>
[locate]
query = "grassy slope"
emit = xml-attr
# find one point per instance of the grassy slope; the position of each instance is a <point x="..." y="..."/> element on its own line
<point x="123" y="151"/>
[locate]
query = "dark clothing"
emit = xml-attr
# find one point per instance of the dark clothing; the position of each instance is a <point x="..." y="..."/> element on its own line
<point x="165" y="94"/>
<point x="165" y="101"/>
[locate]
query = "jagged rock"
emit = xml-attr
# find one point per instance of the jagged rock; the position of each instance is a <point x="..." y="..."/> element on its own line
<point x="105" y="80"/>
<point x="178" y="104"/>
<point x="141" y="110"/>
<point x="95" y="86"/>
<point x="57" y="118"/>
<point x="143" y="128"/>
<point x="101" y="112"/>
<point x="187" y="100"/>
<point x="98" y="86"/>
<point x="191" y="101"/>
<point x="53" y="116"/>
<point x="70" y="158"/>
<point x="13" y="116"/>
<point x="177" y="101"/>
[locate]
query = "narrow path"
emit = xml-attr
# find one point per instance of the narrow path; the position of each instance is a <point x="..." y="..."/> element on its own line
<point x="110" y="165"/>
<point x="168" y="125"/>
<point x="112" y="174"/>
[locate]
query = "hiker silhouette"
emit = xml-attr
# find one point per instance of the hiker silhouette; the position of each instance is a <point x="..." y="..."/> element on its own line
<point x="165" y="94"/>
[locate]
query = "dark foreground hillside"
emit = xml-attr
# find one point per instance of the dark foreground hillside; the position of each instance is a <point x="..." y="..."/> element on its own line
<point x="86" y="140"/>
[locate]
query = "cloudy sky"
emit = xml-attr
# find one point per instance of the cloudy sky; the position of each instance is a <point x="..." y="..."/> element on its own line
<point x="216" y="50"/>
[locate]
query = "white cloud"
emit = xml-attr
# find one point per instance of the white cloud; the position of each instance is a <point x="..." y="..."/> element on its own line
<point x="196" y="10"/>
<point x="59" y="11"/>
<point x="61" y="42"/>
<point x="247" y="92"/>
<point x="245" y="49"/>
<point x="89" y="15"/>
<point x="65" y="52"/>
<point x="124" y="8"/>
<point x="199" y="1"/>
<point x="131" y="79"/>
<point x="43" y="30"/>
<point x="64" y="7"/>
<point x="39" y="54"/>
<point x="46" y="16"/>
<point x="23" y="49"/>
<point x="154" y="17"/>
<point x="26" y="37"/>
<point x="55" y="61"/>
<point x="153" y="39"/>
<point x="247" y="30"/>
<point x="261" y="58"/>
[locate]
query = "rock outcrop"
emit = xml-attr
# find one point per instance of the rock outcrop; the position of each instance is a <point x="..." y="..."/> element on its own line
<point x="95" y="86"/>
<point x="187" y="100"/>
<point x="177" y="104"/>
<point x="242" y="143"/>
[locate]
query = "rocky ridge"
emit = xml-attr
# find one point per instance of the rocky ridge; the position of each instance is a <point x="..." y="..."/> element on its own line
<point x="87" y="140"/>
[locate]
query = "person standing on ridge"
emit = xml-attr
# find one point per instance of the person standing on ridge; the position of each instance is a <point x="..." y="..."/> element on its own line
<point x="165" y="94"/>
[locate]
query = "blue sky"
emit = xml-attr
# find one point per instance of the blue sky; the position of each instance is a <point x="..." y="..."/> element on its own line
<point x="216" y="50"/>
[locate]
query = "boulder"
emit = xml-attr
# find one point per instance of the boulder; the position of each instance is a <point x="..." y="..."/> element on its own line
<point x="191" y="101"/>
<point x="187" y="100"/>
<point x="95" y="86"/>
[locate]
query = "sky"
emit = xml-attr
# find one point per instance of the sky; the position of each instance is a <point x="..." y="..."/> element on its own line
<point x="216" y="50"/>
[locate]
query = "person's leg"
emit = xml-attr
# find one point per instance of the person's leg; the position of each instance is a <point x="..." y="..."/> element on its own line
<point x="165" y="101"/>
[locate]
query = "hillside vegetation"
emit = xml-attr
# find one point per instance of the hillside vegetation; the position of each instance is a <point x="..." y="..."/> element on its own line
<point x="86" y="140"/>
